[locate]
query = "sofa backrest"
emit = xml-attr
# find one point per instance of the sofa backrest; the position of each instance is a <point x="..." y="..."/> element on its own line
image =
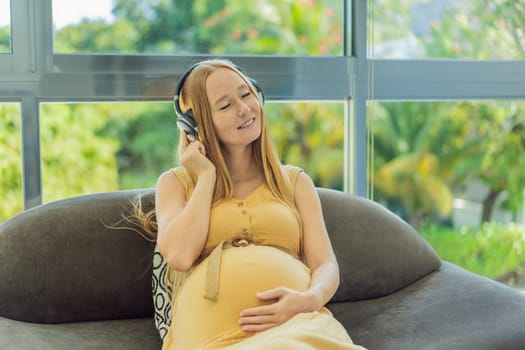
<point x="61" y="262"/>
<point x="378" y="253"/>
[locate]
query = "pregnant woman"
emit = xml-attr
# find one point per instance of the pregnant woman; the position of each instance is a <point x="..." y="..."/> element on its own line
<point x="243" y="234"/>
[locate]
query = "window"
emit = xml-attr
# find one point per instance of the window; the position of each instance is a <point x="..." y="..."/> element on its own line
<point x="298" y="27"/>
<point x="311" y="136"/>
<point x="5" y="26"/>
<point x="110" y="146"/>
<point x="126" y="145"/>
<point x="106" y="69"/>
<point x="484" y="29"/>
<point x="453" y="170"/>
<point x="10" y="161"/>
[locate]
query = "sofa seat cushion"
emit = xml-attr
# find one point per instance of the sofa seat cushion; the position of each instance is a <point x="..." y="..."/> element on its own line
<point x="448" y="309"/>
<point x="131" y="334"/>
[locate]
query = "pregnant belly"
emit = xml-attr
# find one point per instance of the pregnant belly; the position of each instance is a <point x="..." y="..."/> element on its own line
<point x="244" y="271"/>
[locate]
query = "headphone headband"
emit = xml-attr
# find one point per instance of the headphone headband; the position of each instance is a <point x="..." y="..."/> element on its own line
<point x="186" y="73"/>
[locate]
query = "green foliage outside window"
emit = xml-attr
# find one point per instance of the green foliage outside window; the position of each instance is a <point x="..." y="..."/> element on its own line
<point x="481" y="29"/>
<point x="215" y="27"/>
<point x="425" y="152"/>
<point x="75" y="158"/>
<point x="5" y="39"/>
<point x="10" y="161"/>
<point x="493" y="250"/>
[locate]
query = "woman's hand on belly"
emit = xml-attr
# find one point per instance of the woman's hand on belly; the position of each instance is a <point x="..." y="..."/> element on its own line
<point x="287" y="303"/>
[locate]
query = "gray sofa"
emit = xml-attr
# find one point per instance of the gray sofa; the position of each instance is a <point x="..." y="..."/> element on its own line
<point x="68" y="281"/>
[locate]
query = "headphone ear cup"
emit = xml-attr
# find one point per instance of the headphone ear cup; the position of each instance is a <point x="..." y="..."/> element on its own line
<point x="259" y="89"/>
<point x="189" y="118"/>
<point x="186" y="122"/>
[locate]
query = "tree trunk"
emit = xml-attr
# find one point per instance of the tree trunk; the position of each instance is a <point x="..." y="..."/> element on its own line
<point x="488" y="205"/>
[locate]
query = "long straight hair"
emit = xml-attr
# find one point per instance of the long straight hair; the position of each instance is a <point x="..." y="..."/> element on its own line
<point x="193" y="95"/>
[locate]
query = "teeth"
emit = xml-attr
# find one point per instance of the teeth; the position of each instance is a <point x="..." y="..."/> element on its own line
<point x="248" y="123"/>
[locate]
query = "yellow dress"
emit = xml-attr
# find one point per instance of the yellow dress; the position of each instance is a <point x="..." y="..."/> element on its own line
<point x="207" y="307"/>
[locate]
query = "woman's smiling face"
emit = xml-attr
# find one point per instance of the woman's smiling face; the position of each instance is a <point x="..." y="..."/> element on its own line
<point x="235" y="109"/>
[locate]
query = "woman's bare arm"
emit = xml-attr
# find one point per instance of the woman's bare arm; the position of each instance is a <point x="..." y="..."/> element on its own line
<point x="183" y="225"/>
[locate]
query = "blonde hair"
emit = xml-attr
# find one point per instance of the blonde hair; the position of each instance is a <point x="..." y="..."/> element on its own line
<point x="193" y="96"/>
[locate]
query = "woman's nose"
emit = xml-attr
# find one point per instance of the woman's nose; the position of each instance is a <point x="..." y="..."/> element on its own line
<point x="243" y="108"/>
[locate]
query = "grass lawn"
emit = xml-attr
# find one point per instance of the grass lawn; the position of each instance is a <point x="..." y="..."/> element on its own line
<point x="493" y="250"/>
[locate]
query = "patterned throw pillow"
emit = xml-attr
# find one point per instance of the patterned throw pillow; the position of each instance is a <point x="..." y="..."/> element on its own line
<point x="162" y="292"/>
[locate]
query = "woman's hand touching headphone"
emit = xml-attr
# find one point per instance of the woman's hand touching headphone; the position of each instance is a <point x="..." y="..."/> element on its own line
<point x="192" y="156"/>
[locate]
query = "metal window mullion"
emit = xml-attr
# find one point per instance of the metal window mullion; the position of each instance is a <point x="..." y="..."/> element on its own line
<point x="32" y="56"/>
<point x="21" y="36"/>
<point x="31" y="164"/>
<point x="355" y="147"/>
<point x="41" y="13"/>
<point x="448" y="79"/>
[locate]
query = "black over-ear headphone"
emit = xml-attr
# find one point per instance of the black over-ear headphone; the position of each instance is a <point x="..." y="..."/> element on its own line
<point x="186" y="120"/>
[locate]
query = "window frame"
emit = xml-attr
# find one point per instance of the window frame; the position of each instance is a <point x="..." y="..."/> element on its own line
<point x="33" y="73"/>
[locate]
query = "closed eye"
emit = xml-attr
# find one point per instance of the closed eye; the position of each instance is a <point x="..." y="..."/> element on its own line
<point x="246" y="95"/>
<point x="225" y="107"/>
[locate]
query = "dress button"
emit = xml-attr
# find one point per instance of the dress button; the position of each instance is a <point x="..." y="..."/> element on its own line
<point x="244" y="212"/>
<point x="240" y="204"/>
<point x="245" y="231"/>
<point x="240" y="242"/>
